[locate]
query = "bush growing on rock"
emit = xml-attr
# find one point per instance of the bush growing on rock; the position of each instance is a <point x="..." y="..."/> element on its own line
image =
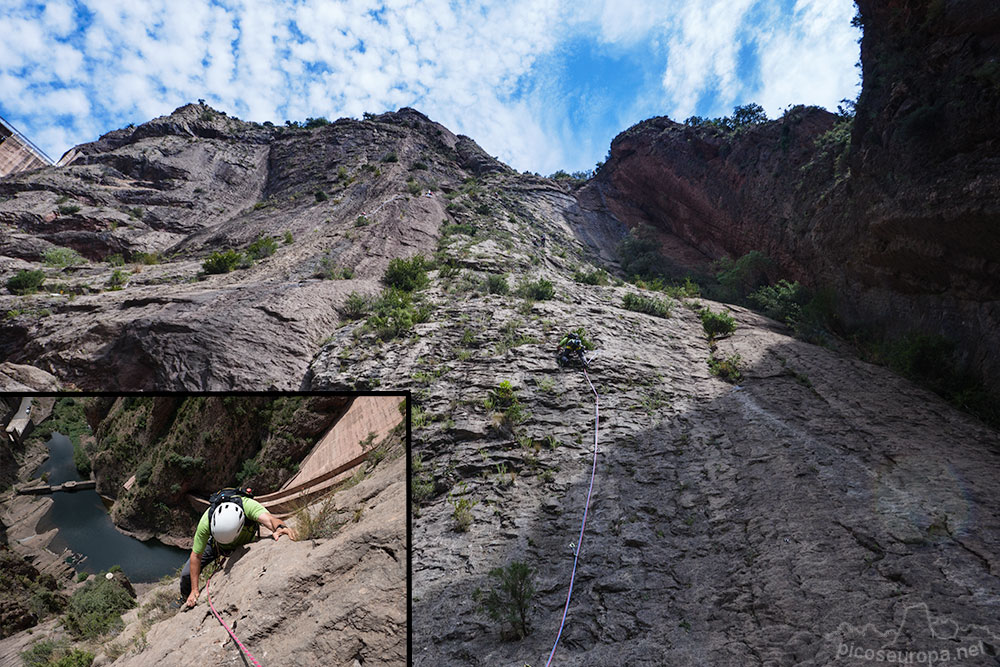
<point x="62" y="257"/>
<point x="355" y="306"/>
<point x="717" y="325"/>
<point x="504" y="401"/>
<point x="96" y="608"/>
<point x="509" y="600"/>
<point x="407" y="274"/>
<point x="222" y="262"/>
<point x="264" y="246"/>
<point x="538" y="290"/>
<point x="727" y="368"/>
<point x="496" y="284"/>
<point x="26" y="282"/>
<point x="595" y="277"/>
<point x="118" y="279"/>
<point x="51" y="653"/>
<point x="462" y="511"/>
<point x="782" y="301"/>
<point x="647" y="304"/>
<point x="421" y="484"/>
<point x="394" y="314"/>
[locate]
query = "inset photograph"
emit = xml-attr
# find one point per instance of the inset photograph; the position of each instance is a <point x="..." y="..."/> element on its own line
<point x="187" y="529"/>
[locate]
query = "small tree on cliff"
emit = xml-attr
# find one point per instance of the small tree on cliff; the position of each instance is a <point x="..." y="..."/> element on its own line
<point x="509" y="601"/>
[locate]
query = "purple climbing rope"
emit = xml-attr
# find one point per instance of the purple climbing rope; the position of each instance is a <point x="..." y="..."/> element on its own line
<point x="231" y="633"/>
<point x="583" y="524"/>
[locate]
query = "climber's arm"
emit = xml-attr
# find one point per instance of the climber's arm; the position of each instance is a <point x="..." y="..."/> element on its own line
<point x="276" y="526"/>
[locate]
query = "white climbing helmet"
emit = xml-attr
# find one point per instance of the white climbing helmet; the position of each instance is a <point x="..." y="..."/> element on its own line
<point x="226" y="522"/>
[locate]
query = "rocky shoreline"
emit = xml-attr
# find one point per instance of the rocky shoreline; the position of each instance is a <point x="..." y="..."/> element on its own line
<point x="22" y="514"/>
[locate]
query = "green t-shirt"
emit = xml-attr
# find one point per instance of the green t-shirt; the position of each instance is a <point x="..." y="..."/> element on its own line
<point x="251" y="508"/>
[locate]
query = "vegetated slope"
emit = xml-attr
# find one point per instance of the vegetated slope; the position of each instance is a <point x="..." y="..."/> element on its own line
<point x="336" y="601"/>
<point x="176" y="445"/>
<point x="894" y="210"/>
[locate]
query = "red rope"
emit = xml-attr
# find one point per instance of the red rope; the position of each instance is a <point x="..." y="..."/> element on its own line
<point x="231" y="633"/>
<point x="579" y="544"/>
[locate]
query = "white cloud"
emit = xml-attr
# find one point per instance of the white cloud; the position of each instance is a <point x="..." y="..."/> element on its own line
<point x="473" y="65"/>
<point x="703" y="52"/>
<point x="58" y="17"/>
<point x="811" y="62"/>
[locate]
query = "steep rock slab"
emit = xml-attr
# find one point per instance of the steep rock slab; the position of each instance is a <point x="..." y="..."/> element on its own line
<point x="325" y="602"/>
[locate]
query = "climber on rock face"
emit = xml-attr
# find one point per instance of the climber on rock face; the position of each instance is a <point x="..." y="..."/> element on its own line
<point x="570" y="350"/>
<point x="232" y="520"/>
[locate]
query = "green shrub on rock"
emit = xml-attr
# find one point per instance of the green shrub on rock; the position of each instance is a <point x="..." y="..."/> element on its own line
<point x="222" y="262"/>
<point x="49" y="653"/>
<point x="717" y="325"/>
<point x="496" y="284"/>
<point x="264" y="246"/>
<point x="26" y="282"/>
<point x="96" y="608"/>
<point x="538" y="290"/>
<point x="509" y="600"/>
<point x="647" y="304"/>
<point x="407" y="274"/>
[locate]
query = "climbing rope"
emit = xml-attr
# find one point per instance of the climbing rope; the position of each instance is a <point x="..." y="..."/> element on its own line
<point x="231" y="633"/>
<point x="583" y="524"/>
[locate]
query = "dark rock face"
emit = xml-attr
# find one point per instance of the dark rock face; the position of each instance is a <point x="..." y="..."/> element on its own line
<point x="25" y="593"/>
<point x="900" y="220"/>
<point x="176" y="446"/>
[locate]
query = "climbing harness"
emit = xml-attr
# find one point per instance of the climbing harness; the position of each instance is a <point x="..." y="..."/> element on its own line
<point x="231" y="633"/>
<point x="583" y="524"/>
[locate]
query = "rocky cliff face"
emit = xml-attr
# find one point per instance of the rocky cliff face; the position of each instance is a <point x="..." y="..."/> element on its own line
<point x="336" y="601"/>
<point x="180" y="187"/>
<point x="897" y="215"/>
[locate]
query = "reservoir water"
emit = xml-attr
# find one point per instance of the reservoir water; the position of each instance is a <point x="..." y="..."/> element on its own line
<point x="85" y="527"/>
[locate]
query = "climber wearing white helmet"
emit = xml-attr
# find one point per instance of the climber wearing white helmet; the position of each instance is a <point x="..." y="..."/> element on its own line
<point x="231" y="521"/>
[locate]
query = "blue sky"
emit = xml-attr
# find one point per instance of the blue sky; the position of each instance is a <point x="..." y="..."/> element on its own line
<point x="541" y="84"/>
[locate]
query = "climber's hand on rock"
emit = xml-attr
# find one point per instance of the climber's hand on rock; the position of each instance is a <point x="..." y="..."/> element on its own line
<point x="283" y="530"/>
<point x="192" y="600"/>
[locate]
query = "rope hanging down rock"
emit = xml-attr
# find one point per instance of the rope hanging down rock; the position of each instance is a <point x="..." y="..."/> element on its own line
<point x="583" y="524"/>
<point x="231" y="633"/>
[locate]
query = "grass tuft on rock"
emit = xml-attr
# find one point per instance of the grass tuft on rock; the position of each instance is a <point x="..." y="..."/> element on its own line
<point x="647" y="304"/>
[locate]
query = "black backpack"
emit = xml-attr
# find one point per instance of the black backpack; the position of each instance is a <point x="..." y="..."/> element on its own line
<point x="228" y="496"/>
